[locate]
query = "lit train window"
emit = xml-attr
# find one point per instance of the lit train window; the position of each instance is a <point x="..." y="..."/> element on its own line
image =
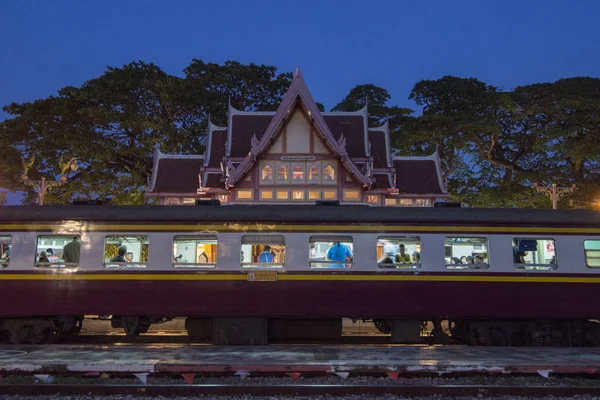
<point x="57" y="251"/>
<point x="399" y="252"/>
<point x="466" y="253"/>
<point x="195" y="251"/>
<point x="126" y="251"/>
<point x="262" y="251"/>
<point x="330" y="252"/>
<point x="534" y="254"/>
<point x="592" y="253"/>
<point x="5" y="246"/>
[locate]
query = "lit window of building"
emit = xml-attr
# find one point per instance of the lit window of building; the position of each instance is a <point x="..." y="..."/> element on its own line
<point x="373" y="198"/>
<point x="328" y="173"/>
<point x="406" y="202"/>
<point x="189" y="201"/>
<point x="282" y="172"/>
<point x="172" y="201"/>
<point x="351" y="194"/>
<point x="314" y="195"/>
<point x="266" y="194"/>
<point x="298" y="194"/>
<point x="245" y="194"/>
<point x="422" y="203"/>
<point x="223" y="198"/>
<point x="390" y="202"/>
<point x="266" y="174"/>
<point x="329" y="194"/>
<point x="298" y="174"/>
<point x="282" y="195"/>
<point x="314" y="173"/>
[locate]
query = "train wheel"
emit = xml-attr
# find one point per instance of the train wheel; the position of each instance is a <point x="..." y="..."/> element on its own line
<point x="383" y="326"/>
<point x="134" y="325"/>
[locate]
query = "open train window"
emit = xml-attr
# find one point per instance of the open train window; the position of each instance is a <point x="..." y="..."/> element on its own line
<point x="126" y="251"/>
<point x="57" y="251"/>
<point x="466" y="252"/>
<point x="534" y="254"/>
<point x="5" y="246"/>
<point x="195" y="251"/>
<point x="399" y="252"/>
<point x="262" y="251"/>
<point x="592" y="253"/>
<point x="330" y="252"/>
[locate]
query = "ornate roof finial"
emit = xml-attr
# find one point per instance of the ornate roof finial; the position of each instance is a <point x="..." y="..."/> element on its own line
<point x="254" y="146"/>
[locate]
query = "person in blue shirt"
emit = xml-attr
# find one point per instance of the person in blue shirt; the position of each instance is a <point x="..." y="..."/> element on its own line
<point x="266" y="256"/>
<point x="339" y="252"/>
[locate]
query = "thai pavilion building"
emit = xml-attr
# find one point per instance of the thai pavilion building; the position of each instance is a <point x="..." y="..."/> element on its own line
<point x="297" y="155"/>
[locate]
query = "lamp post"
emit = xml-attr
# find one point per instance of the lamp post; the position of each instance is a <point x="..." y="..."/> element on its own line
<point x="554" y="192"/>
<point x="43" y="185"/>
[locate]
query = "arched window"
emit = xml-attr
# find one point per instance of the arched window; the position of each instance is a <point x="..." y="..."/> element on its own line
<point x="267" y="173"/>
<point x="313" y="173"/>
<point x="282" y="173"/>
<point x="298" y="173"/>
<point x="328" y="173"/>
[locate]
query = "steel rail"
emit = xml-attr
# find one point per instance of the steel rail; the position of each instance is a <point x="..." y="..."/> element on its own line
<point x="298" y="390"/>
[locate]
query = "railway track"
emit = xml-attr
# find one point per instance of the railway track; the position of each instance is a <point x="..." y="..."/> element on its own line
<point x="299" y="390"/>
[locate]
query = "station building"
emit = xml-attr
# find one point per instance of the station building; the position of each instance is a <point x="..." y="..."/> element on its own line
<point x="297" y="155"/>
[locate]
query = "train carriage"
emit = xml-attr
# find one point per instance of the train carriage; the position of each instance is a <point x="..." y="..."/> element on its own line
<point x="244" y="274"/>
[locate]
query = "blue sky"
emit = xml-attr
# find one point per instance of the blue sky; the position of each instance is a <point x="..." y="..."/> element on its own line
<point x="338" y="44"/>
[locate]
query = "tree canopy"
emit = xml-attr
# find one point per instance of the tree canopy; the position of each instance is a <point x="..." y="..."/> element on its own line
<point x="494" y="144"/>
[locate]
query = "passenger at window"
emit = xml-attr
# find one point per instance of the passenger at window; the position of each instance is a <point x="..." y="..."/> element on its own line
<point x="463" y="260"/>
<point x="312" y="253"/>
<point x="470" y="260"/>
<point x="388" y="259"/>
<point x="518" y="256"/>
<point x="120" y="257"/>
<point x="402" y="257"/>
<point x="339" y="252"/>
<point x="129" y="257"/>
<point x="43" y="258"/>
<point x="553" y="260"/>
<point x="416" y="257"/>
<point x="478" y="260"/>
<point x="266" y="256"/>
<point x="5" y="257"/>
<point x="51" y="256"/>
<point x="72" y="250"/>
<point x="455" y="260"/>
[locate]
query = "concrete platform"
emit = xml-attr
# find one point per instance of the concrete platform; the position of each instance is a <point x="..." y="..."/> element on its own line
<point x="404" y="360"/>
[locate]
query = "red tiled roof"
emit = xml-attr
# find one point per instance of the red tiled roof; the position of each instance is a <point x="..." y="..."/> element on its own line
<point x="242" y="129"/>
<point x="417" y="177"/>
<point x="378" y="148"/>
<point x="353" y="128"/>
<point x="217" y="148"/>
<point x="177" y="175"/>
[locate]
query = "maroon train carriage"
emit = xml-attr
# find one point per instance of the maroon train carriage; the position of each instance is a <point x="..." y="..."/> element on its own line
<point x="250" y="274"/>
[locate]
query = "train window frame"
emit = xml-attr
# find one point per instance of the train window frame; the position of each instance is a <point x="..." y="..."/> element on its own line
<point x="189" y="238"/>
<point x="585" y="252"/>
<point x="529" y="267"/>
<point x="54" y="264"/>
<point x="398" y="265"/>
<point x="262" y="240"/>
<point x="5" y="246"/>
<point x="468" y="266"/>
<point x="347" y="264"/>
<point x="126" y="264"/>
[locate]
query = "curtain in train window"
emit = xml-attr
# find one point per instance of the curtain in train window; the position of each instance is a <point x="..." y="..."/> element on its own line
<point x="195" y="251"/>
<point x="5" y="247"/>
<point x="466" y="253"/>
<point x="57" y="251"/>
<point x="262" y="251"/>
<point x="592" y="253"/>
<point x="399" y="252"/>
<point x="126" y="251"/>
<point x="534" y="254"/>
<point x="330" y="252"/>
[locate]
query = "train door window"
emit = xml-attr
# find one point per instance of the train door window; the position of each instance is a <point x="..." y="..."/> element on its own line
<point x="195" y="251"/>
<point x="331" y="252"/>
<point x="263" y="251"/>
<point x="126" y="251"/>
<point x="399" y="252"/>
<point x="466" y="253"/>
<point x="5" y="247"/>
<point x="534" y="254"/>
<point x="57" y="251"/>
<point x="592" y="253"/>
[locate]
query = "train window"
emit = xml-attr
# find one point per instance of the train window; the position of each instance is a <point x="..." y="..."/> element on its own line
<point x="262" y="251"/>
<point x="534" y="254"/>
<point x="466" y="253"/>
<point x="195" y="251"/>
<point x="330" y="252"/>
<point x="592" y="253"/>
<point x="126" y="251"/>
<point x="57" y="251"/>
<point x="399" y="252"/>
<point x="5" y="246"/>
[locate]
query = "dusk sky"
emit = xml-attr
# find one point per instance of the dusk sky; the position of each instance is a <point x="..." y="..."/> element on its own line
<point x="338" y="44"/>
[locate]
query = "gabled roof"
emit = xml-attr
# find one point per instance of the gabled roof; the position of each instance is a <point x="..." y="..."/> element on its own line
<point x="380" y="146"/>
<point x="298" y="92"/>
<point x="215" y="147"/>
<point x="175" y="174"/>
<point x="419" y="175"/>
